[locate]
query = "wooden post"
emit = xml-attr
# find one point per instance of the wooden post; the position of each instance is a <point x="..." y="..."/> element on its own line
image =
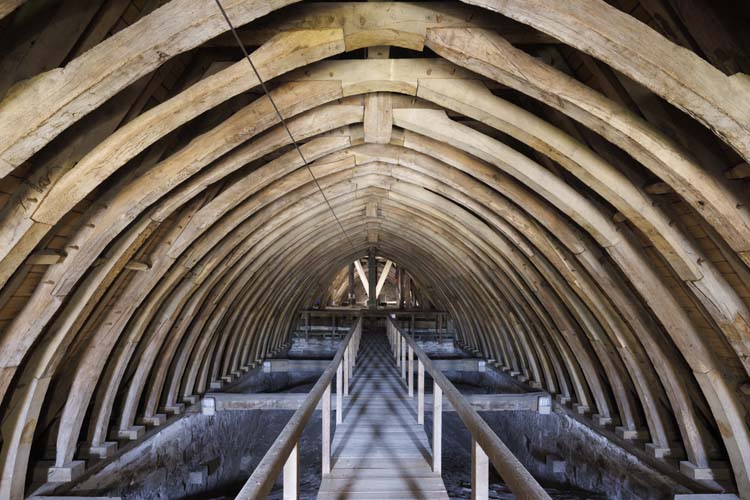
<point x="326" y="433"/>
<point x="411" y="372"/>
<point x="346" y="372"/>
<point x="307" y="325"/>
<point x="350" y="361"/>
<point x="403" y="358"/>
<point x="355" y="341"/>
<point x="398" y="348"/>
<point x="291" y="475"/>
<point x="339" y="393"/>
<point x="479" y="472"/>
<point x="437" y="428"/>
<point x="372" y="278"/>
<point x="333" y="326"/>
<point x="420" y="393"/>
<point x="352" y="296"/>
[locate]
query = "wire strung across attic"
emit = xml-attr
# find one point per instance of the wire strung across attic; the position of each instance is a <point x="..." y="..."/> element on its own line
<point x="281" y="118"/>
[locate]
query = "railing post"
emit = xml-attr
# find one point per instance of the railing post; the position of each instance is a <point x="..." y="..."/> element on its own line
<point x="411" y="372"/>
<point x="350" y="361"/>
<point x="356" y="339"/>
<point x="403" y="358"/>
<point x="326" y="433"/>
<point x="420" y="392"/>
<point x="437" y="428"/>
<point x="339" y="393"/>
<point x="479" y="472"/>
<point x="291" y="475"/>
<point x="398" y="348"/>
<point x="346" y="372"/>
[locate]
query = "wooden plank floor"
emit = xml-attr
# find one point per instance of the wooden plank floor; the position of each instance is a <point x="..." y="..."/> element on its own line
<point x="379" y="451"/>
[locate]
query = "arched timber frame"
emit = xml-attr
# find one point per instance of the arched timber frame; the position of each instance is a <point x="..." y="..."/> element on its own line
<point x="552" y="258"/>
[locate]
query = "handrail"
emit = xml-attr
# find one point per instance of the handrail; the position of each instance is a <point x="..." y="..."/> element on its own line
<point x="284" y="449"/>
<point x="520" y="481"/>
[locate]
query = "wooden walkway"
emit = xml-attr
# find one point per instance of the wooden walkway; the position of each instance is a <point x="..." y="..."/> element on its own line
<point x="379" y="451"/>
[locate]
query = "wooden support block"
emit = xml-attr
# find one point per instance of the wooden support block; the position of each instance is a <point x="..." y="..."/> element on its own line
<point x="658" y="188"/>
<point x="131" y="433"/>
<point x="101" y="451"/>
<point x="619" y="217"/>
<point x="739" y="171"/>
<point x="601" y="420"/>
<point x="561" y="399"/>
<point x="674" y="450"/>
<point x="208" y="406"/>
<point x="192" y="399"/>
<point x="67" y="472"/>
<point x="544" y="404"/>
<point x="718" y="471"/>
<point x="371" y="209"/>
<point x="138" y="265"/>
<point x="632" y="434"/>
<point x="581" y="409"/>
<point x="156" y="420"/>
<point x="378" y="119"/>
<point x="175" y="409"/>
<point x="45" y="257"/>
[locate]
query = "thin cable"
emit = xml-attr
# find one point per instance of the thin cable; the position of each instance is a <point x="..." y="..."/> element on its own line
<point x="281" y="118"/>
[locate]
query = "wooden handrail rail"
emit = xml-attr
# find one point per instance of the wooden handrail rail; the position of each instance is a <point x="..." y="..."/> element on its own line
<point x="520" y="480"/>
<point x="264" y="476"/>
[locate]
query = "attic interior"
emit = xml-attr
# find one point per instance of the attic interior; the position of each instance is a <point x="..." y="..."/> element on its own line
<point x="224" y="221"/>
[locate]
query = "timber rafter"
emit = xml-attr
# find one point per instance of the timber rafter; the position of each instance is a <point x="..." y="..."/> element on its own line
<point x="158" y="232"/>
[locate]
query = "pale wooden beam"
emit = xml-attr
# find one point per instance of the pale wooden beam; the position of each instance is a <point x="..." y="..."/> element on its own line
<point x="138" y="265"/>
<point x="658" y="188"/>
<point x="8" y="6"/>
<point x="378" y="121"/>
<point x="45" y="257"/>
<point x="740" y="171"/>
<point x="362" y="276"/>
<point x="383" y="277"/>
